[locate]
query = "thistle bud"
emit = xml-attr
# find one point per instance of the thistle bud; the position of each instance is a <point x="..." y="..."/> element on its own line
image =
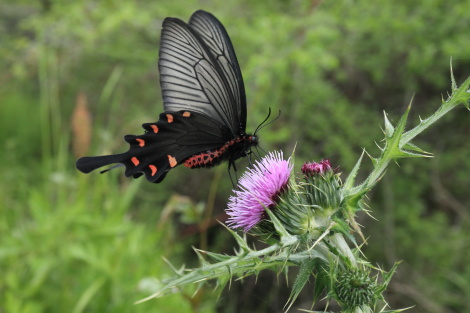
<point x="355" y="288"/>
<point x="322" y="185"/>
<point x="314" y="168"/>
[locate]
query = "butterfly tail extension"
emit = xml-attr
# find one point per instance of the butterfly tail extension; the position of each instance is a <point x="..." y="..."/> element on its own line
<point x="134" y="166"/>
<point x="89" y="164"/>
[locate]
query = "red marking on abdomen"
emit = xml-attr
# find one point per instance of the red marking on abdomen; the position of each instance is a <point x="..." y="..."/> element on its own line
<point x="187" y="114"/>
<point x="169" y="118"/>
<point x="141" y="142"/>
<point x="135" y="161"/>
<point x="153" y="168"/>
<point x="210" y="157"/>
<point x="155" y="128"/>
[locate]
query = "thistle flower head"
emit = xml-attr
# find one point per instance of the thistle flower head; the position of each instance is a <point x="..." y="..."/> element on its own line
<point x="316" y="168"/>
<point x="259" y="188"/>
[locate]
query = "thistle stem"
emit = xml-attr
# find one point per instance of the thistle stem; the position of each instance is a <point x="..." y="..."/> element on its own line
<point x="459" y="95"/>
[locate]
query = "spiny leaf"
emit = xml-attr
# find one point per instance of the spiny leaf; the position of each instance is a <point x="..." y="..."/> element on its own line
<point x="463" y="93"/>
<point x="349" y="183"/>
<point x="217" y="256"/>
<point x="286" y="238"/>
<point x="220" y="285"/>
<point x="178" y="272"/>
<point x="322" y="282"/>
<point x="452" y="78"/>
<point x="400" y="129"/>
<point x="389" y="129"/>
<point x="397" y="311"/>
<point x="240" y="241"/>
<point x="352" y="203"/>
<point x="305" y="271"/>
<point x="413" y="148"/>
<point x="387" y="276"/>
<point x="200" y="257"/>
<point x="342" y="227"/>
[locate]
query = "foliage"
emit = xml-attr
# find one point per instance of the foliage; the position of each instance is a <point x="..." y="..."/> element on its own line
<point x="308" y="223"/>
<point x="331" y="67"/>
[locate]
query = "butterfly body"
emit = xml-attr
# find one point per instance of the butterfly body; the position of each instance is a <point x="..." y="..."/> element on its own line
<point x="204" y="118"/>
<point x="231" y="151"/>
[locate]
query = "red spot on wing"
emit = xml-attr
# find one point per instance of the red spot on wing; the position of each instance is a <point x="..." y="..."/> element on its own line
<point x="172" y="161"/>
<point x="187" y="114"/>
<point x="169" y="118"/>
<point x="155" y="128"/>
<point x="141" y="142"/>
<point x="153" y="168"/>
<point x="135" y="161"/>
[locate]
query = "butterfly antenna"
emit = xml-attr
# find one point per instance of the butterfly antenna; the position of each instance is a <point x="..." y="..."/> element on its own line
<point x="261" y="126"/>
<point x="267" y="117"/>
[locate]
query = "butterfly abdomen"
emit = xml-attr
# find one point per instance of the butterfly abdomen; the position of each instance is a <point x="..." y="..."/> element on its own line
<point x="231" y="150"/>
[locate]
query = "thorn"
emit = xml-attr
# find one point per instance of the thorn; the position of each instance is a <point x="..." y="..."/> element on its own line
<point x="380" y="148"/>
<point x="452" y="78"/>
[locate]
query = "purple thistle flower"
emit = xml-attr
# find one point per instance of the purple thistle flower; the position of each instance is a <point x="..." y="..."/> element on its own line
<point x="314" y="168"/>
<point x="259" y="187"/>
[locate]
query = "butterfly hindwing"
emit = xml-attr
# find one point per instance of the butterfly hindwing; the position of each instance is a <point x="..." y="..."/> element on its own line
<point x="165" y="144"/>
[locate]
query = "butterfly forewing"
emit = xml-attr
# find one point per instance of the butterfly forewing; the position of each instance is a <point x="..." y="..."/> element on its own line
<point x="190" y="77"/>
<point x="217" y="40"/>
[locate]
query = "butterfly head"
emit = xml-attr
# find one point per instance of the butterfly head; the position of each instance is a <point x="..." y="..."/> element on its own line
<point x="243" y="146"/>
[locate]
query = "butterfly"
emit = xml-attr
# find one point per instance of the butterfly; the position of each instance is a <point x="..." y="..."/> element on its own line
<point x="204" y="102"/>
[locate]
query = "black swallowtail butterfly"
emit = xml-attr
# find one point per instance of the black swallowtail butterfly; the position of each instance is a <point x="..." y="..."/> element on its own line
<point x="204" y="104"/>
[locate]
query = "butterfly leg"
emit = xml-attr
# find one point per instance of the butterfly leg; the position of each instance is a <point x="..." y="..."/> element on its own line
<point x="231" y="164"/>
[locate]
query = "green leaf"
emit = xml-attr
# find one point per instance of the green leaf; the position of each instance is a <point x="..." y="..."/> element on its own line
<point x="286" y="238"/>
<point x="397" y="311"/>
<point x="389" y="129"/>
<point x="349" y="183"/>
<point x="417" y="151"/>
<point x="322" y="282"/>
<point x="395" y="140"/>
<point x="462" y="94"/>
<point x="240" y="241"/>
<point x="342" y="227"/>
<point x="452" y="78"/>
<point x="388" y="275"/>
<point x="305" y="271"/>
<point x="200" y="257"/>
<point x="217" y="256"/>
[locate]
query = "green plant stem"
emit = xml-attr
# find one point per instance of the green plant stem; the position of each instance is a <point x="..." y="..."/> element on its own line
<point x="253" y="261"/>
<point x="459" y="96"/>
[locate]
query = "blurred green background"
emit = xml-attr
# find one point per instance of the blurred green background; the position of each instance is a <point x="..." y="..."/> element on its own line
<point x="76" y="76"/>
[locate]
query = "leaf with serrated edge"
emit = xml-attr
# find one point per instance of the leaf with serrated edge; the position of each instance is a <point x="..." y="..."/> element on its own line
<point x="412" y="147"/>
<point x="286" y="238"/>
<point x="349" y="183"/>
<point x="303" y="276"/>
<point x="241" y="242"/>
<point x="389" y="129"/>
